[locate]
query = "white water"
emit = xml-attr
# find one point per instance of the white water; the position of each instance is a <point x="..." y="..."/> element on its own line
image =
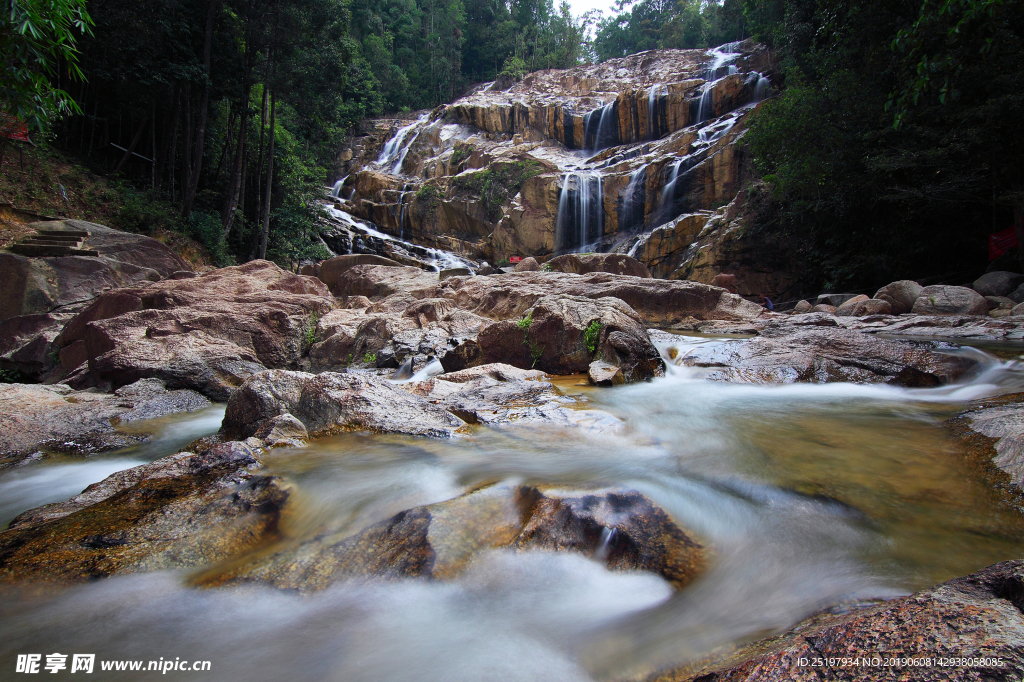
<point x="580" y="220"/>
<point x="396" y="149"/>
<point x="598" y="128"/>
<point x="58" y="479"/>
<point x="809" y="495"/>
<point x="629" y="203"/>
<point x="721" y="60"/>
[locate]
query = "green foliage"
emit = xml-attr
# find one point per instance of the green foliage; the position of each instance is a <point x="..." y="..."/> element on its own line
<point x="206" y="229"/>
<point x="370" y="358"/>
<point x="309" y="335"/>
<point x="547" y="267"/>
<point x="525" y="321"/>
<point x="38" y="42"/>
<point x="141" y="212"/>
<point x="460" y="153"/>
<point x="656" y="24"/>
<point x="591" y="335"/>
<point x="429" y="193"/>
<point x="12" y="376"/>
<point x="499" y="183"/>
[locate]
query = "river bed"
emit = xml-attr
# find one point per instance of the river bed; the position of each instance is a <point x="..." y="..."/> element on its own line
<point x="809" y="496"/>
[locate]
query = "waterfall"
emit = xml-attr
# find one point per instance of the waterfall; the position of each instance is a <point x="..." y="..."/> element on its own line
<point x="761" y="89"/>
<point x="397" y="147"/>
<point x="580" y="221"/>
<point x="336" y="190"/>
<point x="633" y="205"/>
<point x="720" y="67"/>
<point x="667" y="205"/>
<point x="599" y="131"/>
<point x="652" y="102"/>
<point x="401" y="211"/>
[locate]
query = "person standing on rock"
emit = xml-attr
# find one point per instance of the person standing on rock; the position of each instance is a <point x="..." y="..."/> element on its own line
<point x="767" y="302"/>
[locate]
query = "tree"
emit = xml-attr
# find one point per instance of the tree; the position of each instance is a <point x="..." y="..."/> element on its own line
<point x="38" y="44"/>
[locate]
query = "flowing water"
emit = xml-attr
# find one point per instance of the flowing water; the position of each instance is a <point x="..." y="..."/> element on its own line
<point x="808" y="495"/>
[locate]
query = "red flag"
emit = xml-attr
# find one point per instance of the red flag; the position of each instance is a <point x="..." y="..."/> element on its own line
<point x="516" y="259"/>
<point x="1001" y="242"/>
<point x="13" y="128"/>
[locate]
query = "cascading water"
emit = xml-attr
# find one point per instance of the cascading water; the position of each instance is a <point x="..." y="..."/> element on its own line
<point x="720" y="67"/>
<point x="668" y="206"/>
<point x="634" y="200"/>
<point x="580" y="220"/>
<point x="396" y="149"/>
<point x="336" y="190"/>
<point x="761" y="89"/>
<point x="653" y="93"/>
<point x="599" y="128"/>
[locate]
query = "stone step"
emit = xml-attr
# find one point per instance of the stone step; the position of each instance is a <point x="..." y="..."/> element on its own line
<point x="49" y="251"/>
<point x="52" y="242"/>
<point x="67" y="233"/>
<point x="53" y="238"/>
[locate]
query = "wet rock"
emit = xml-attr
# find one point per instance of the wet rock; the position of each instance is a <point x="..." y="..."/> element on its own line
<point x="824" y="308"/>
<point x="517" y="402"/>
<point x="602" y="373"/>
<point x="872" y="306"/>
<point x="950" y="326"/>
<point x="784" y="354"/>
<point x="437" y="541"/>
<point x="976" y="617"/>
<point x="26" y="341"/>
<point x="528" y="264"/>
<point x="496" y="371"/>
<point x="583" y="263"/>
<point x="208" y="333"/>
<point x="949" y="300"/>
<point x="39" y="285"/>
<point x="464" y="355"/>
<point x="56" y="419"/>
<point x="660" y="303"/>
<point x="564" y="334"/>
<point x="331" y="403"/>
<point x="183" y="511"/>
<point x="846" y="308"/>
<point x="802" y="307"/>
<point x="998" y="283"/>
<point x="1000" y="424"/>
<point x="331" y="269"/>
<point x="283" y="431"/>
<point x="453" y="272"/>
<point x="900" y="295"/>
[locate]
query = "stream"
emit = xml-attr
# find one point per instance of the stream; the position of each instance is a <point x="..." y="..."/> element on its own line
<point x="809" y="496"/>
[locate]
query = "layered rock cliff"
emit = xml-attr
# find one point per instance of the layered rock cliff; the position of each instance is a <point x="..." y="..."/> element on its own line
<point x="633" y="155"/>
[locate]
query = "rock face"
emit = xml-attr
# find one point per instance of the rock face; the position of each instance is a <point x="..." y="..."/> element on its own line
<point x="622" y="528"/>
<point x="583" y="263"/>
<point x="948" y="300"/>
<point x="208" y="333"/>
<point x="784" y="354"/>
<point x="564" y="334"/>
<point x="661" y="129"/>
<point x="331" y="269"/>
<point x="998" y="283"/>
<point x="41" y="294"/>
<point x="186" y="510"/>
<point x="332" y="403"/>
<point x="56" y="419"/>
<point x="978" y="617"/>
<point x="900" y="295"/>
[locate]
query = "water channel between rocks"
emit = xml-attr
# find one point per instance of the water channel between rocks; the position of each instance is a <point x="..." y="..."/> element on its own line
<point x="808" y="495"/>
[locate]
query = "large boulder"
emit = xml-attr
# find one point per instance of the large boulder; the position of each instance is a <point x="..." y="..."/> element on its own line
<point x="621" y="528"/>
<point x="330" y="270"/>
<point x="787" y="354"/>
<point x="900" y="295"/>
<point x="969" y="628"/>
<point x="564" y="334"/>
<point x="184" y="511"/>
<point x="998" y="283"/>
<point x="208" y="333"/>
<point x="802" y="306"/>
<point x="380" y="281"/>
<point x="583" y="263"/>
<point x="331" y="403"/>
<point x="871" y="306"/>
<point x="41" y="420"/>
<point x="949" y="300"/>
<point x="847" y="306"/>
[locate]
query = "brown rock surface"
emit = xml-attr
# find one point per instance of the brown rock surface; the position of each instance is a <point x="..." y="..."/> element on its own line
<point x="56" y="419"/>
<point x="332" y="403"/>
<point x="949" y="300"/>
<point x="847" y="307"/>
<point x="975" y="617"/>
<point x="622" y="528"/>
<point x="786" y="354"/>
<point x="207" y="333"/>
<point x="186" y="510"/>
<point x="900" y="295"/>
<point x="583" y="263"/>
<point x="330" y="270"/>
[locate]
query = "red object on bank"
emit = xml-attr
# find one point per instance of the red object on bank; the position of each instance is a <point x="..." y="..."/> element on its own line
<point x="514" y="259"/>
<point x="13" y="129"/>
<point x="1001" y="242"/>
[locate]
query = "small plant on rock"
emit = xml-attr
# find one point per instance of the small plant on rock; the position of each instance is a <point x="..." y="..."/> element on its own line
<point x="525" y="321"/>
<point x="591" y="335"/>
<point x="309" y="335"/>
<point x="370" y="358"/>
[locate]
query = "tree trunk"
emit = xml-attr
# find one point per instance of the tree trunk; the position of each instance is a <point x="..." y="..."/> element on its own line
<point x="204" y="105"/>
<point x="131" y="148"/>
<point x="231" y="200"/>
<point x="270" y="177"/>
<point x="186" y="147"/>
